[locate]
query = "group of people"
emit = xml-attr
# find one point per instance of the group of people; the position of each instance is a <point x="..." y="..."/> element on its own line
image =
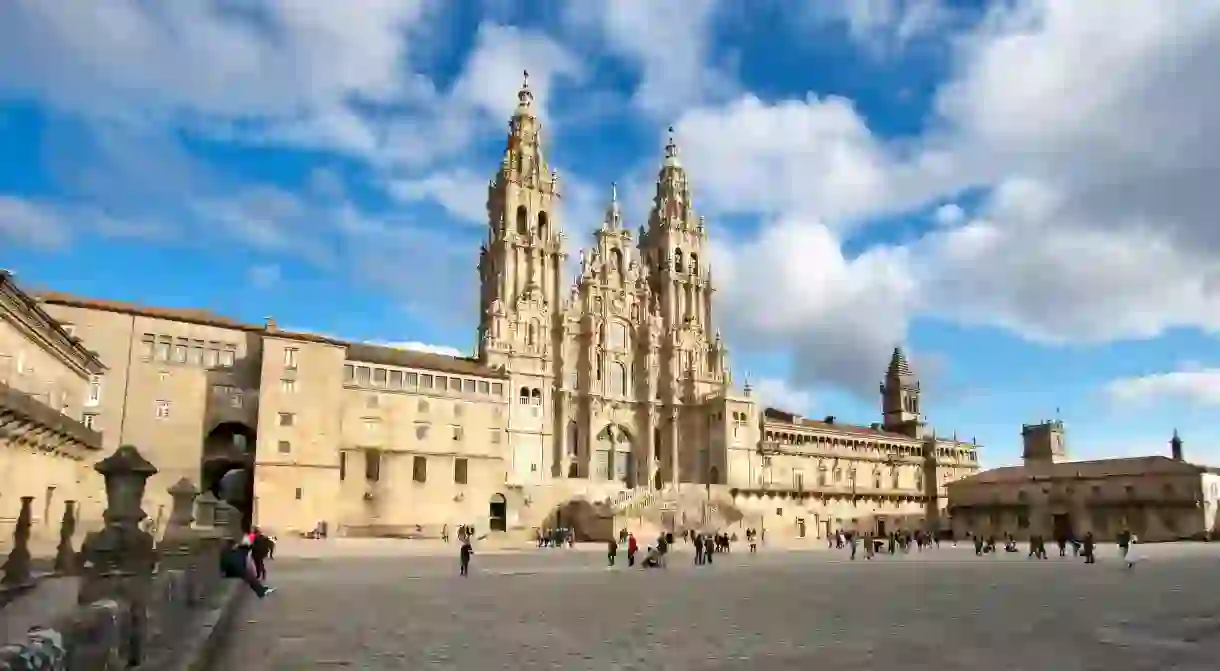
<point x="1085" y="547"/>
<point x="246" y="560"/>
<point x="891" y="543"/>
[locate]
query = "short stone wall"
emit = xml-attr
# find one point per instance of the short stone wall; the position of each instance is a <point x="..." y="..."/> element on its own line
<point x="140" y="603"/>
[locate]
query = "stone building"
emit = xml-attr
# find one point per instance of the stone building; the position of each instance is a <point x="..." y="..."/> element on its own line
<point x="810" y="478"/>
<point x="1156" y="497"/>
<point x="48" y="385"/>
<point x="588" y="393"/>
<point x="598" y="403"/>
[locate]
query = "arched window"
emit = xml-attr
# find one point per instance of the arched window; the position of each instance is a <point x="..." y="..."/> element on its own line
<point x="694" y="264"/>
<point x="597" y="370"/>
<point x="618" y="335"/>
<point x="573" y="439"/>
<point x="618" y="379"/>
<point x="656" y="444"/>
<point x="678" y="260"/>
<point x="525" y="396"/>
<point x="543" y="227"/>
<point x="616" y="260"/>
<point x="523" y="220"/>
<point x="536" y="396"/>
<point x="533" y="333"/>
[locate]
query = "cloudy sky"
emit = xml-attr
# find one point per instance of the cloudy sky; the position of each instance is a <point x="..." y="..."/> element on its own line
<point x="1025" y="193"/>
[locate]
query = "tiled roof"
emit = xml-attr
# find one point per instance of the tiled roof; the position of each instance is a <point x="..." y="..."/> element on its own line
<point x="392" y="356"/>
<point x="1100" y="468"/>
<point x="92" y="362"/>
<point x="377" y="354"/>
<point x="783" y="416"/>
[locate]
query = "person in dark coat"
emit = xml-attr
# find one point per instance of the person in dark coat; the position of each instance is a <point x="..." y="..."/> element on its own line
<point x="235" y="562"/>
<point x="466" y="552"/>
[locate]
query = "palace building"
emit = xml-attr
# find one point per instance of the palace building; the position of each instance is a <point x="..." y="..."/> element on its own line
<point x="595" y="403"/>
<point x="1156" y="497"/>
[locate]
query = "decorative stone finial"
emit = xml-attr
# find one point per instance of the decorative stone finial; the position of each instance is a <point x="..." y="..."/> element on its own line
<point x="183" y="494"/>
<point x="205" y="514"/>
<point x="126" y="473"/>
<point x="671" y="150"/>
<point x="525" y="97"/>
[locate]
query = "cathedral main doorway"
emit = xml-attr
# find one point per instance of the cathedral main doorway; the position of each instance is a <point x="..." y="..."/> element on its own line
<point x="613" y="457"/>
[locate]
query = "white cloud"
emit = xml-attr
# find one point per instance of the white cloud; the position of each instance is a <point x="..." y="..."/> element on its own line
<point x="461" y="192"/>
<point x="814" y="158"/>
<point x="289" y="59"/>
<point x="1196" y="387"/>
<point x="949" y="214"/>
<point x="884" y="27"/>
<point x="264" y="275"/>
<point x="444" y="350"/>
<point x="777" y="393"/>
<point x="26" y="222"/>
<point x="1100" y="220"/>
<point x="670" y="44"/>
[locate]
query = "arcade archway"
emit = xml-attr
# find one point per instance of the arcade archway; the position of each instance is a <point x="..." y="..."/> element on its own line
<point x="498" y="513"/>
<point x="227" y="467"/>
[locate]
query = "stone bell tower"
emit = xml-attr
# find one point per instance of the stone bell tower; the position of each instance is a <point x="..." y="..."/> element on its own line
<point x="521" y="262"/>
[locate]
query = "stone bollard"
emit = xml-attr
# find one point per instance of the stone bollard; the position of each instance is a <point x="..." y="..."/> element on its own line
<point x="120" y="558"/>
<point x="65" y="555"/>
<point x="210" y="541"/>
<point x="17" y="567"/>
<point x="180" y="544"/>
<point x="228" y="519"/>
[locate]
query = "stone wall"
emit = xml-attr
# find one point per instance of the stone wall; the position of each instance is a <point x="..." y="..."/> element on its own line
<point x="140" y="603"/>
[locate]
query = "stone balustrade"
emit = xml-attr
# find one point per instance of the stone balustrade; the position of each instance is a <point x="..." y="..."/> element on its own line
<point x="138" y="601"/>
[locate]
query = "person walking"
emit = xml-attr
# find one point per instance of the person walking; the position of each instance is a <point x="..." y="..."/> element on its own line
<point x="611" y="551"/>
<point x="632" y="548"/>
<point x="464" y="557"/>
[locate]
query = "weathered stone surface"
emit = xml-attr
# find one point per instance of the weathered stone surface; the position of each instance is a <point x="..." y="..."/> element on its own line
<point x="945" y="610"/>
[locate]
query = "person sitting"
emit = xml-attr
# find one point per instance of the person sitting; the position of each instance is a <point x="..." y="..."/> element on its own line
<point x="236" y="562"/>
<point x="652" y="558"/>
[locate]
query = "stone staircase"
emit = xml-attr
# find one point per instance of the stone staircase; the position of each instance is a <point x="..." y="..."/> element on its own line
<point x="674" y="510"/>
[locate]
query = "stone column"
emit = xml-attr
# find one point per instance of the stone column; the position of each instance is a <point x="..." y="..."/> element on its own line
<point x="119" y="559"/>
<point x="180" y="544"/>
<point x="210" y="540"/>
<point x="228" y="520"/>
<point x="17" y="567"/>
<point x="648" y="463"/>
<point x="65" y="555"/>
<point x="565" y="460"/>
<point x="675" y="470"/>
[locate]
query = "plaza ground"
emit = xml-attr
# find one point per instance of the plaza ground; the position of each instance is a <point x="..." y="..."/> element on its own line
<point x="389" y="605"/>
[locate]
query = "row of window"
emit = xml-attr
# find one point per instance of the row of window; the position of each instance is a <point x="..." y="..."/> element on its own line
<point x="394" y="380"/>
<point x="168" y="349"/>
<point x="419" y="467"/>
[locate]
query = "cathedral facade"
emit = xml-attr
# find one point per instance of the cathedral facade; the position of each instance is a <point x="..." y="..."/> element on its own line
<point x="619" y="376"/>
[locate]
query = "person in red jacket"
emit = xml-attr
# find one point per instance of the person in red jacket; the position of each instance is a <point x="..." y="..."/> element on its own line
<point x="632" y="548"/>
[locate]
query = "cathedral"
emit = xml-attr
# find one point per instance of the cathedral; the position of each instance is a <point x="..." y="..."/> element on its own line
<point x="627" y="358"/>
<point x="601" y="404"/>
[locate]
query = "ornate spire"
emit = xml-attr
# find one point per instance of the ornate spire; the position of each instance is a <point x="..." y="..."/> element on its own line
<point x="898" y="365"/>
<point x="613" y="215"/>
<point x="525" y="97"/>
<point x="671" y="152"/>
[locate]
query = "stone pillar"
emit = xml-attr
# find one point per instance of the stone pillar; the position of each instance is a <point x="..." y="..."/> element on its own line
<point x="17" y="567"/>
<point x="210" y="540"/>
<point x="648" y="463"/>
<point x="180" y="546"/>
<point x="228" y="520"/>
<point x="675" y="469"/>
<point x="65" y="555"/>
<point x="119" y="559"/>
<point x="565" y="459"/>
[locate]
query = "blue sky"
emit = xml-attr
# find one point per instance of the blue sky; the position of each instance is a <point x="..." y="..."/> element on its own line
<point x="1023" y="205"/>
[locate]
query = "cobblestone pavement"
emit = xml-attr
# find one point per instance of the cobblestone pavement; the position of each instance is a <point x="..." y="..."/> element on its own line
<point x="552" y="609"/>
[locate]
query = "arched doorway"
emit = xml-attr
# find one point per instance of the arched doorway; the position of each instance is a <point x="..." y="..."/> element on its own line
<point x="227" y="467"/>
<point x="588" y="522"/>
<point x="498" y="513"/>
<point x="713" y="476"/>
<point x="613" y="455"/>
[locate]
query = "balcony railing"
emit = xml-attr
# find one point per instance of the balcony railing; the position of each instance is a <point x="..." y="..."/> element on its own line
<point x="31" y="410"/>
